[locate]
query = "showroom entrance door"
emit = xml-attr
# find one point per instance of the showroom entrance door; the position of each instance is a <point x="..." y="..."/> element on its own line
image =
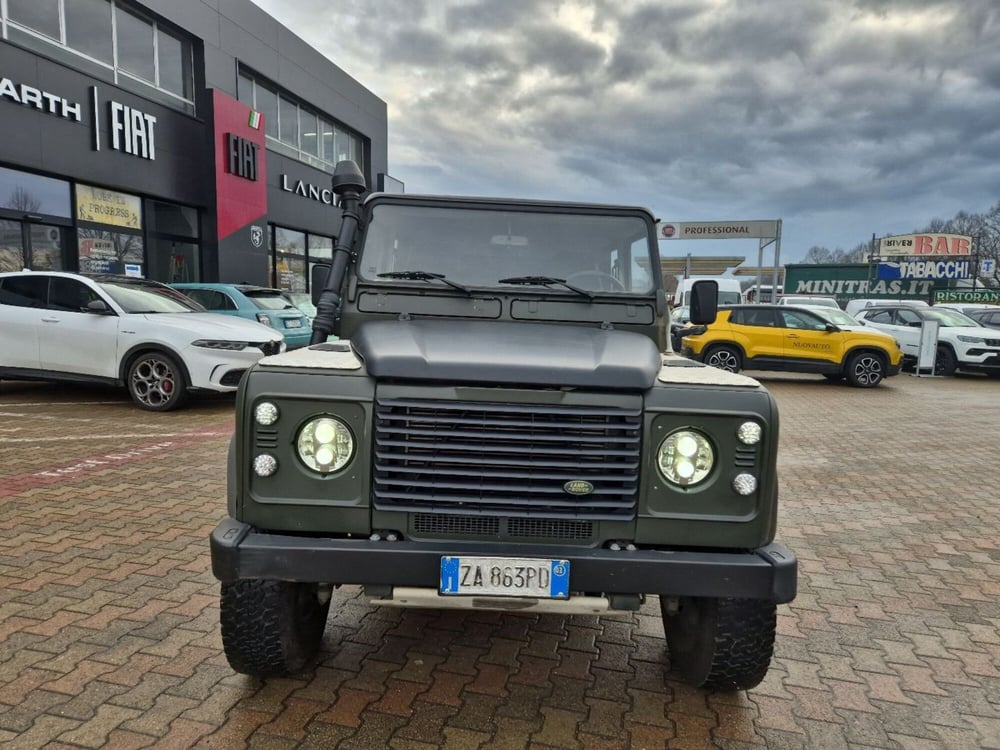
<point x="34" y="245"/>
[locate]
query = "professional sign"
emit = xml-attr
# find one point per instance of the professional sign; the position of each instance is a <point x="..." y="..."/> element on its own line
<point x="716" y="230"/>
<point x="925" y="244"/>
<point x="925" y="269"/>
<point x="989" y="296"/>
<point x="108" y="207"/>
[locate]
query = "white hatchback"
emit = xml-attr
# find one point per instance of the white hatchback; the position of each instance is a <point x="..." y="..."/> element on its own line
<point x="133" y="332"/>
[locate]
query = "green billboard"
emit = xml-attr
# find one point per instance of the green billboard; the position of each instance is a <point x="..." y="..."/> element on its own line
<point x="847" y="281"/>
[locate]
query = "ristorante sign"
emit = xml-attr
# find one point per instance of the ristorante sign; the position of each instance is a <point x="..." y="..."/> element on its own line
<point x="130" y="130"/>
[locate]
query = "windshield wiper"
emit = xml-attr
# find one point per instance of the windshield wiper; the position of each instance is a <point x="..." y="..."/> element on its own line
<point x="545" y="281"/>
<point x="424" y="276"/>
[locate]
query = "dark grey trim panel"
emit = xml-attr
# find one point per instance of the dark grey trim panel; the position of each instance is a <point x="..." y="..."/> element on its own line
<point x="240" y="552"/>
<point x="18" y="373"/>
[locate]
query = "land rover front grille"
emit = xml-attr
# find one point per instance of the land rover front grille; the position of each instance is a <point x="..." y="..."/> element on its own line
<point x="506" y="459"/>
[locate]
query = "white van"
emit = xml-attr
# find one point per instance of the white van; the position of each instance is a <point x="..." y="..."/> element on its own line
<point x="730" y="292"/>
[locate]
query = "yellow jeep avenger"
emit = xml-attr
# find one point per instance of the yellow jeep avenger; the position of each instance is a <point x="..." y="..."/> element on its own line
<point x="795" y="339"/>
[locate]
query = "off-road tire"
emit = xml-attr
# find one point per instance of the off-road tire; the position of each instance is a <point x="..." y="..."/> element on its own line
<point x="721" y="644"/>
<point x="724" y="357"/>
<point x="945" y="363"/>
<point x="156" y="382"/>
<point x="271" y="628"/>
<point x="865" y="369"/>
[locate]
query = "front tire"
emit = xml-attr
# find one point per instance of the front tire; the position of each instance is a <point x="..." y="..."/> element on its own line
<point x="156" y="382"/>
<point x="724" y="358"/>
<point x="272" y="628"/>
<point x="721" y="644"/>
<point x="945" y="363"/>
<point x="865" y="370"/>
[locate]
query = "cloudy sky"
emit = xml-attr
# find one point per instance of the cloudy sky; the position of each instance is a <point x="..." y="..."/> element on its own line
<point x="843" y="118"/>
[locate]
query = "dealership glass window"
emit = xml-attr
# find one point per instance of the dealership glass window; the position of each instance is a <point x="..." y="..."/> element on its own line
<point x="88" y="28"/>
<point x="135" y="45"/>
<point x="171" y="218"/>
<point x="11" y="246"/>
<point x="39" y="15"/>
<point x="46" y="247"/>
<point x="308" y="133"/>
<point x="174" y="64"/>
<point x="85" y="33"/>
<point x="267" y="104"/>
<point x="290" y="259"/>
<point x="172" y="261"/>
<point x="302" y="132"/>
<point x="104" y="251"/>
<point x="27" y="193"/>
<point x="288" y="122"/>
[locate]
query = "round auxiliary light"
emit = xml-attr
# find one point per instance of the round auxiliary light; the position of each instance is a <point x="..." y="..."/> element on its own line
<point x="685" y="457"/>
<point x="749" y="433"/>
<point x="745" y="484"/>
<point x="325" y="444"/>
<point x="265" y="465"/>
<point x="266" y="413"/>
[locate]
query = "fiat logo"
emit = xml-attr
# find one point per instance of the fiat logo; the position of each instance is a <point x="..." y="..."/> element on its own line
<point x="578" y="487"/>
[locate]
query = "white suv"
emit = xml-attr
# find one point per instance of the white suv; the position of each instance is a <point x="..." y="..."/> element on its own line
<point x="125" y="331"/>
<point x="963" y="344"/>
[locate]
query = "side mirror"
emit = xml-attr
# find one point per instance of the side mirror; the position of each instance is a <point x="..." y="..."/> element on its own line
<point x="832" y="328"/>
<point x="704" y="302"/>
<point x="98" y="307"/>
<point x="317" y="280"/>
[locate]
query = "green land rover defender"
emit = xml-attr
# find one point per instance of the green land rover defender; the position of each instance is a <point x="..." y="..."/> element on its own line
<point x="499" y="424"/>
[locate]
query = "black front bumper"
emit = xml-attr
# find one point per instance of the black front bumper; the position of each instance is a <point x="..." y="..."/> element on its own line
<point x="240" y="552"/>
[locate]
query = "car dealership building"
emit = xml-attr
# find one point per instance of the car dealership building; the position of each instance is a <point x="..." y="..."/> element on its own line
<point x="179" y="141"/>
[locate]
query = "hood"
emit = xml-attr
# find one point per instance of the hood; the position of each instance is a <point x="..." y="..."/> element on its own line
<point x="213" y="325"/>
<point x="509" y="353"/>
<point x="982" y="333"/>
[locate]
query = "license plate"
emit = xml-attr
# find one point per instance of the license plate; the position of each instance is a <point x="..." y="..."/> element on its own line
<point x="293" y="323"/>
<point x="505" y="576"/>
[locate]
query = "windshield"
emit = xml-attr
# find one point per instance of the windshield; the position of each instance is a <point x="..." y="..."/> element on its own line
<point x="950" y="318"/>
<point x="832" y="315"/>
<point x="148" y="297"/>
<point x="478" y="247"/>
<point x="268" y="300"/>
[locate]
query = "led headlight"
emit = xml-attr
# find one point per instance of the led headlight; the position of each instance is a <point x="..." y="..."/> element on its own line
<point x="265" y="465"/>
<point x="325" y="444"/>
<point x="233" y="346"/>
<point x="749" y="433"/>
<point x="685" y="457"/>
<point x="266" y="413"/>
<point x="971" y="339"/>
<point x="745" y="484"/>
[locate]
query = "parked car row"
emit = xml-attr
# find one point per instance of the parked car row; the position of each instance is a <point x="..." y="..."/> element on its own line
<point x="159" y="342"/>
<point x="863" y="349"/>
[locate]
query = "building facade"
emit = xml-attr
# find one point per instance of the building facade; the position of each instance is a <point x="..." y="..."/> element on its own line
<point x="178" y="141"/>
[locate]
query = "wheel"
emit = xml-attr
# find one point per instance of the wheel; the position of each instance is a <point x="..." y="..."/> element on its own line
<point x="865" y="370"/>
<point x="272" y="628"/>
<point x="945" y="362"/>
<point x="156" y="382"/>
<point x="723" y="357"/>
<point x="721" y="644"/>
<point x="606" y="282"/>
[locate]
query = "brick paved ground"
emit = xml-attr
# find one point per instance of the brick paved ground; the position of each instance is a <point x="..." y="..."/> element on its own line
<point x="109" y="620"/>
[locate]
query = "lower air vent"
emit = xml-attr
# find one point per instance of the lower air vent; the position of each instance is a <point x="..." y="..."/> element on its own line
<point x="424" y="523"/>
<point x="549" y="528"/>
<point x="522" y="528"/>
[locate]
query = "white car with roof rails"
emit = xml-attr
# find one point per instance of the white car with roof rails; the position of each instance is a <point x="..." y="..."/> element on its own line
<point x="803" y="299"/>
<point x="963" y="343"/>
<point x="134" y="332"/>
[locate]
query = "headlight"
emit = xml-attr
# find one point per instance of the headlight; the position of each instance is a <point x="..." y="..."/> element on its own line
<point x="233" y="346"/>
<point x="971" y="340"/>
<point x="685" y="457"/>
<point x="325" y="444"/>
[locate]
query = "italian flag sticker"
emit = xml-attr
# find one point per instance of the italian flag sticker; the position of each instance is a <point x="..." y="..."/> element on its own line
<point x="254" y="121"/>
